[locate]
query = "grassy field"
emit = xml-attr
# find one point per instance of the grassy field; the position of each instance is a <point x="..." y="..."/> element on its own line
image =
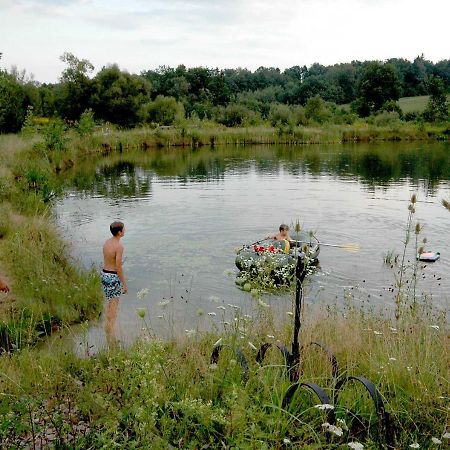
<point x="170" y="394"/>
<point x="408" y="104"/>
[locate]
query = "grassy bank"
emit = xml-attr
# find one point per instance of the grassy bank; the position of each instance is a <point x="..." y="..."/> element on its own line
<point x="158" y="395"/>
<point x="168" y="394"/>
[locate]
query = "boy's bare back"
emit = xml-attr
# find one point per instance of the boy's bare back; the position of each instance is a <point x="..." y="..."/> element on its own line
<point x="112" y="254"/>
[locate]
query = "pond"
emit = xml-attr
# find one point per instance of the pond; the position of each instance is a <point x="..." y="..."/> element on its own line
<point x="187" y="210"/>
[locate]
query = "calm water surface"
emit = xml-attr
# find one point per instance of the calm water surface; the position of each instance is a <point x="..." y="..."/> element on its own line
<point x="186" y="211"/>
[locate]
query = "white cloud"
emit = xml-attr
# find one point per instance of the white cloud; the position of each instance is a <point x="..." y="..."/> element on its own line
<point x="141" y="34"/>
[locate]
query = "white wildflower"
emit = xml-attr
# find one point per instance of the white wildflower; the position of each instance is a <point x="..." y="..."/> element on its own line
<point x="289" y="313"/>
<point x="446" y="435"/>
<point x="221" y="307"/>
<point x="247" y="316"/>
<point x="213" y="299"/>
<point x="252" y="346"/>
<point x="436" y="441"/>
<point x="212" y="314"/>
<point x="190" y="332"/>
<point x="142" y="293"/>
<point x="356" y="445"/>
<point x="377" y="333"/>
<point x="333" y="429"/>
<point x="415" y="445"/>
<point x="394" y="330"/>
<point x="213" y="366"/>
<point x="324" y="406"/>
<point x="408" y="368"/>
<point x="164" y="303"/>
<point x="271" y="336"/>
<point x="225" y="322"/>
<point x="219" y="341"/>
<point x="160" y="317"/>
<point x="286" y="441"/>
<point x="392" y="359"/>
<point x="436" y="327"/>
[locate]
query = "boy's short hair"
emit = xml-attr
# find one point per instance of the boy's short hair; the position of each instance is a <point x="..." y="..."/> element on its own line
<point x="284" y="227"/>
<point x="115" y="227"/>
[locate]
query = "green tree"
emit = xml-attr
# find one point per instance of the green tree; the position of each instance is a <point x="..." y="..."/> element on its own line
<point x="119" y="96"/>
<point x="316" y="110"/>
<point x="378" y="84"/>
<point x="437" y="109"/>
<point x="13" y="103"/>
<point x="73" y="95"/>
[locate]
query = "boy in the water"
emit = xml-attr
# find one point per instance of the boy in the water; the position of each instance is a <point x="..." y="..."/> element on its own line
<point x="282" y="235"/>
<point x="113" y="279"/>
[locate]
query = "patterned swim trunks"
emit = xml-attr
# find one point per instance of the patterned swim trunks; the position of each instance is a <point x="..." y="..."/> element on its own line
<point x="112" y="286"/>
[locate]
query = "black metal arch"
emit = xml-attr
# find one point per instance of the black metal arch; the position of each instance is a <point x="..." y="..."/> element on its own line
<point x="263" y="350"/>
<point x="317" y="390"/>
<point x="335" y="373"/>
<point x="241" y="359"/>
<point x="384" y="419"/>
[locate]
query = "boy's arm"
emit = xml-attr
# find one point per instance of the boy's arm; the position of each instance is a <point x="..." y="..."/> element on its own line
<point x="119" y="254"/>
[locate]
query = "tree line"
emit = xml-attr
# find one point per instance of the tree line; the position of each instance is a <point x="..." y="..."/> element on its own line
<point x="233" y="97"/>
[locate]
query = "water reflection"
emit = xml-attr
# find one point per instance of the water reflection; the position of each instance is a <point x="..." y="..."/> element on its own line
<point x="374" y="165"/>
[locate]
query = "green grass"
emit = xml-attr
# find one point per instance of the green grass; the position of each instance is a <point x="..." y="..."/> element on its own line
<point x="407" y="104"/>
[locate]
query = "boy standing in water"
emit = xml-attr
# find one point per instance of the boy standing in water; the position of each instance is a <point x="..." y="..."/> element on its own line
<point x="113" y="279"/>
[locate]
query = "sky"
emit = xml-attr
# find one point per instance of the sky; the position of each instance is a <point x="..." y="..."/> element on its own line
<point x="140" y="35"/>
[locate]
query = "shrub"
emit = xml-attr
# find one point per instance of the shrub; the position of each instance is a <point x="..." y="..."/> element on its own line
<point x="163" y="110"/>
<point x="86" y="124"/>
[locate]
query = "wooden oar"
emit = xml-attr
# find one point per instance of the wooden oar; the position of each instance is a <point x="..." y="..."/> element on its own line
<point x="350" y="247"/>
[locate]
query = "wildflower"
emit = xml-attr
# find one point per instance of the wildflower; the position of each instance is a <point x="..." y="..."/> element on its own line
<point x="392" y="359"/>
<point x="160" y="317"/>
<point x="408" y="368"/>
<point x="289" y="313"/>
<point x="356" y="445"/>
<point x="217" y="342"/>
<point x="436" y="441"/>
<point x="377" y="333"/>
<point x="142" y="293"/>
<point x="141" y="312"/>
<point x="163" y="303"/>
<point x="271" y="336"/>
<point x="213" y="299"/>
<point x="212" y="314"/>
<point x="324" y="406"/>
<point x="221" y="307"/>
<point x="247" y="316"/>
<point x="190" y="332"/>
<point x="213" y="366"/>
<point x="415" y="445"/>
<point x="394" y="330"/>
<point x="261" y="303"/>
<point x="286" y="441"/>
<point x="225" y="322"/>
<point x="252" y="346"/>
<point x="333" y="429"/>
<point x="436" y="327"/>
<point x="446" y="435"/>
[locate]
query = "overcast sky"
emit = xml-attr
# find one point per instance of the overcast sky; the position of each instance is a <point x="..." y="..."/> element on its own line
<point x="143" y="34"/>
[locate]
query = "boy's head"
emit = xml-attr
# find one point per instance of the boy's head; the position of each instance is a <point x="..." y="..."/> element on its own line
<point x="117" y="228"/>
<point x="283" y="229"/>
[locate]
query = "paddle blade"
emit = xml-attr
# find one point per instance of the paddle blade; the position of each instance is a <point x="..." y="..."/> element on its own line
<point x="351" y="247"/>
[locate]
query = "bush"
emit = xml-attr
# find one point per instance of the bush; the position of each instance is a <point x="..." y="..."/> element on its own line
<point x="316" y="110"/>
<point x="54" y="136"/>
<point x="163" y="111"/>
<point x="86" y="124"/>
<point x="237" y="115"/>
<point x="386" y="119"/>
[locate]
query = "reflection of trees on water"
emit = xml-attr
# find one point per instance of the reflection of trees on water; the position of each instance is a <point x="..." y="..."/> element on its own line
<point x="374" y="165"/>
<point x="118" y="180"/>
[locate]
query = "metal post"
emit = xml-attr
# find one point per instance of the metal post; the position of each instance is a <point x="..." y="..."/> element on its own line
<point x="295" y="356"/>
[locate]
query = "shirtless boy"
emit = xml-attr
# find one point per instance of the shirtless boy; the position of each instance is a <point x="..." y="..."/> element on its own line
<point x="113" y="279"/>
<point x="282" y="235"/>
